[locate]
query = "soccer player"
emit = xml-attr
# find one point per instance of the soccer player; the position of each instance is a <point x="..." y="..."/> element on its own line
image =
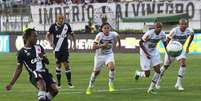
<point x="180" y="34"/>
<point x="149" y="55"/>
<point x="103" y="44"/>
<point x="58" y="38"/>
<point x="33" y="58"/>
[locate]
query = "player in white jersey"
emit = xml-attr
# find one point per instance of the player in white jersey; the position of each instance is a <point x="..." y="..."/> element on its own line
<point x="103" y="44"/>
<point x="179" y="34"/>
<point x="149" y="54"/>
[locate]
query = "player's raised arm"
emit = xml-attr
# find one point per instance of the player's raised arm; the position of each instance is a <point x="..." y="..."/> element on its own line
<point x="16" y="75"/>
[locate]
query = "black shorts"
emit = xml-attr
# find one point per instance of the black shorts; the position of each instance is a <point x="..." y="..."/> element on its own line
<point x="61" y="56"/>
<point x="46" y="76"/>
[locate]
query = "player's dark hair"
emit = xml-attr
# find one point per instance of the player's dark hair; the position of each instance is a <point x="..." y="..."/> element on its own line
<point x="159" y="23"/>
<point x="183" y="20"/>
<point x="27" y="34"/>
<point x="100" y="30"/>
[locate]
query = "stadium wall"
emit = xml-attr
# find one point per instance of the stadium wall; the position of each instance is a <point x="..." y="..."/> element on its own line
<point x="13" y="42"/>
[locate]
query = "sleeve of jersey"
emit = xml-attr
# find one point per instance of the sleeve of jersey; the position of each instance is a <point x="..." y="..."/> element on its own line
<point x="51" y="28"/>
<point x="172" y="33"/>
<point x="69" y="28"/>
<point x="115" y="34"/>
<point x="191" y="31"/>
<point x="145" y="36"/>
<point x="19" y="57"/>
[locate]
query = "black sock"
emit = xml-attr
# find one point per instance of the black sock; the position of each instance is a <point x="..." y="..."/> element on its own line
<point x="58" y="74"/>
<point x="68" y="76"/>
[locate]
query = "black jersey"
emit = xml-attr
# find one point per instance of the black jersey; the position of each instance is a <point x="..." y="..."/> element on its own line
<point x="31" y="59"/>
<point x="60" y="33"/>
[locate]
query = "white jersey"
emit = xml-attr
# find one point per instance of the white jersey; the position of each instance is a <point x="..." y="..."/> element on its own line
<point x="151" y="39"/>
<point x="102" y="38"/>
<point x="177" y="35"/>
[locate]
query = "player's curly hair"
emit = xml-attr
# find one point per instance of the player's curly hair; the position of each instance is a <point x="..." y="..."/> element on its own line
<point x="27" y="34"/>
<point x="100" y="29"/>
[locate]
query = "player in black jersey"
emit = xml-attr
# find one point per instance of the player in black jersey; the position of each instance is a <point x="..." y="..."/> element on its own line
<point x="58" y="38"/>
<point x="33" y="58"/>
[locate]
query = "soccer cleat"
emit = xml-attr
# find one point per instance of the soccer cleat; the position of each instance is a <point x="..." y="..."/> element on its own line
<point x="70" y="85"/>
<point x="151" y="91"/>
<point x="111" y="87"/>
<point x="89" y="91"/>
<point x="136" y="75"/>
<point x="179" y="87"/>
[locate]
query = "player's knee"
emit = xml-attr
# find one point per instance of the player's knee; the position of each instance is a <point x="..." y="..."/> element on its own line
<point x="96" y="72"/>
<point x="183" y="65"/>
<point x="166" y="66"/>
<point x="55" y="92"/>
<point x="147" y="73"/>
<point x="112" y="69"/>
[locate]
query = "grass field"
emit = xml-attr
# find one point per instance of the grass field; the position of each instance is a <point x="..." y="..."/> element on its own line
<point x="127" y="88"/>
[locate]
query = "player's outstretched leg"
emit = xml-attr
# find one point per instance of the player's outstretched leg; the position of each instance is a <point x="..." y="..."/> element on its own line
<point x="94" y="74"/>
<point x="162" y="72"/>
<point x="154" y="79"/>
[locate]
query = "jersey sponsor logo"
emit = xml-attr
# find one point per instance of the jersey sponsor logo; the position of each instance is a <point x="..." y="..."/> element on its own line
<point x="37" y="59"/>
<point x="154" y="40"/>
<point x="181" y="37"/>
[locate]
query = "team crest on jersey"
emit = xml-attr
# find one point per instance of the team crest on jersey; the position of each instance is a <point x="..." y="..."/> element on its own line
<point x="26" y="52"/>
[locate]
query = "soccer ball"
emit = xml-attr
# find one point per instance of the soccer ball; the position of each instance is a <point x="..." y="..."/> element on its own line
<point x="174" y="48"/>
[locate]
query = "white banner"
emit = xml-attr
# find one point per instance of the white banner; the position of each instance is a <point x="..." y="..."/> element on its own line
<point x="78" y="15"/>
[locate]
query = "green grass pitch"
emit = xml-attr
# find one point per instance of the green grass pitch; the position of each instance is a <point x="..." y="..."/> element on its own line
<point x="127" y="88"/>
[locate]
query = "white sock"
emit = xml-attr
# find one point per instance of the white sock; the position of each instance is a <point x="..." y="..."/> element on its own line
<point x="111" y="76"/>
<point x="180" y="74"/>
<point x="141" y="73"/>
<point x="41" y="95"/>
<point x="162" y="69"/>
<point x="49" y="96"/>
<point x="92" y="79"/>
<point x="154" y="79"/>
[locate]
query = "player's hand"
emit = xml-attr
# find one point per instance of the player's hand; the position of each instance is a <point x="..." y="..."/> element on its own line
<point x="105" y="44"/>
<point x="8" y="87"/>
<point x="187" y="50"/>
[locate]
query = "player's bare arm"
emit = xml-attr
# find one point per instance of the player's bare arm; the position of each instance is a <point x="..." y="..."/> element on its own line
<point x="16" y="75"/>
<point x="189" y="43"/>
<point x="119" y="41"/>
<point x="49" y="38"/>
<point x="74" y="40"/>
<point x="143" y="48"/>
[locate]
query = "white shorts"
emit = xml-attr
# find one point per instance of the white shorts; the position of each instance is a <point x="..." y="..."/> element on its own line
<point x="169" y="59"/>
<point x="100" y="60"/>
<point x="146" y="63"/>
